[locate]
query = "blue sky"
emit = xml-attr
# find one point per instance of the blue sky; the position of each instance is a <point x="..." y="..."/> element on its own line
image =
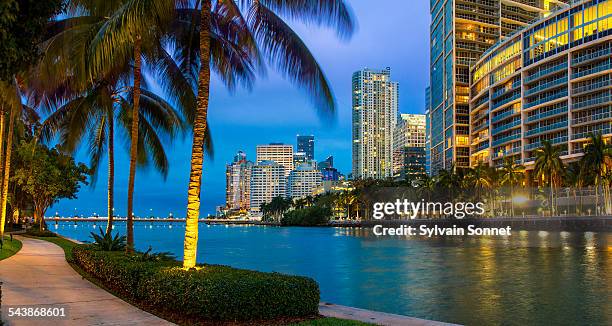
<point x="393" y="33"/>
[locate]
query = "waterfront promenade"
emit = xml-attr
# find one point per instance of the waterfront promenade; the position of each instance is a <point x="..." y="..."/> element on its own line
<point x="39" y="275"/>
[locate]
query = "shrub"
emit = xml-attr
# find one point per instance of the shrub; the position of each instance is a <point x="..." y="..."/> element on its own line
<point x="35" y="232"/>
<point x="209" y="292"/>
<point x="106" y="241"/>
<point x="309" y="216"/>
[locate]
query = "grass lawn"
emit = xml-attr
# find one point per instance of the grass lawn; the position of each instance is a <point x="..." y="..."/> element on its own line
<point x="330" y="322"/>
<point x="9" y="248"/>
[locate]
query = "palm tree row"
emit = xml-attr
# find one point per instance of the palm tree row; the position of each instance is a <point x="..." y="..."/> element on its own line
<point x="143" y="68"/>
<point x="497" y="187"/>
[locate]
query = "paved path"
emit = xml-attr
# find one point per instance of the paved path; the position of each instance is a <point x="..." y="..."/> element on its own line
<point x="374" y="317"/>
<point x="39" y="275"/>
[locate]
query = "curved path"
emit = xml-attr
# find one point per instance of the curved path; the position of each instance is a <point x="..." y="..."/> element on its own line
<point x="39" y="275"/>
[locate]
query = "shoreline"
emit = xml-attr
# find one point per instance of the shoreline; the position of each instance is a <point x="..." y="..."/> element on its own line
<point x="560" y="223"/>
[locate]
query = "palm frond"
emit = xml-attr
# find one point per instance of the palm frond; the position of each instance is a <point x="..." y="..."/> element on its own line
<point x="287" y="52"/>
<point x="335" y="14"/>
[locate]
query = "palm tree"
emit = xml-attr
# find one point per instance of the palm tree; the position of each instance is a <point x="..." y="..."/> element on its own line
<point x="574" y="177"/>
<point x="480" y="179"/>
<point x="549" y="168"/>
<point x="598" y="158"/>
<point x="93" y="115"/>
<point x="283" y="48"/>
<point x="511" y="174"/>
<point x="9" y="98"/>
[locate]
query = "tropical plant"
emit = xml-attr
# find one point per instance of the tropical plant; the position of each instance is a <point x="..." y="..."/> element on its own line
<point x="107" y="242"/>
<point x="511" y="174"/>
<point x="549" y="169"/>
<point x="575" y="179"/>
<point x="47" y="175"/>
<point x="283" y="48"/>
<point x="598" y="158"/>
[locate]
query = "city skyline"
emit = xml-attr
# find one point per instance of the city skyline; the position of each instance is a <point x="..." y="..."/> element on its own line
<point x="275" y="111"/>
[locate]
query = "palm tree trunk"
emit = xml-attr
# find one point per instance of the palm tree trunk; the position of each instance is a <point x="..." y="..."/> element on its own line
<point x="7" y="169"/>
<point x="2" y="126"/>
<point x="111" y="171"/>
<point x="134" y="145"/>
<point x="197" y="149"/>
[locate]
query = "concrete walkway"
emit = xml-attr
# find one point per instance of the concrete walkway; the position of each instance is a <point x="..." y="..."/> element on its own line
<point x="39" y="275"/>
<point x="374" y="317"/>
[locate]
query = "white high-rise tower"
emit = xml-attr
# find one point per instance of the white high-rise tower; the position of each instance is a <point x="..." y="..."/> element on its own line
<point x="375" y="107"/>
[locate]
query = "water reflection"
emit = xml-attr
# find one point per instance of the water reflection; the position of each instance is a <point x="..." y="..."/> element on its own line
<point x="551" y="278"/>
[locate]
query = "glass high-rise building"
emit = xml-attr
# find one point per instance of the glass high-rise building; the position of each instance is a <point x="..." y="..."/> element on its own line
<point x="305" y="144"/>
<point x="551" y="81"/>
<point x="461" y="31"/>
<point x="408" y="136"/>
<point x="375" y="107"/>
<point x="238" y="179"/>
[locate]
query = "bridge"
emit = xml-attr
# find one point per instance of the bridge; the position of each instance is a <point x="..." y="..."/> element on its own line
<point x="147" y="219"/>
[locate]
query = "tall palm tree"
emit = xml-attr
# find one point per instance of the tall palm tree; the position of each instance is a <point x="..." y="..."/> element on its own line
<point x="11" y="99"/>
<point x="92" y="116"/>
<point x="90" y="63"/>
<point x="480" y="179"/>
<point x="283" y="48"/>
<point x="549" y="169"/>
<point x="574" y="178"/>
<point x="511" y="174"/>
<point x="598" y="158"/>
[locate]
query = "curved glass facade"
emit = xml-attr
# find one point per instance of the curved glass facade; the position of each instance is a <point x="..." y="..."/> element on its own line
<point x="550" y="81"/>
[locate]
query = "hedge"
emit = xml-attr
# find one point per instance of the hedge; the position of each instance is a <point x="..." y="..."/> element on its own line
<point x="210" y="292"/>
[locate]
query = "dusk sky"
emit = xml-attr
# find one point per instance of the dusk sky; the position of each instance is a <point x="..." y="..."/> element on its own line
<point x="391" y="33"/>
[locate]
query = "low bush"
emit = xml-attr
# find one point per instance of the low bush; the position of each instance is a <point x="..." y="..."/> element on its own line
<point x="35" y="232"/>
<point x="309" y="216"/>
<point x="209" y="292"/>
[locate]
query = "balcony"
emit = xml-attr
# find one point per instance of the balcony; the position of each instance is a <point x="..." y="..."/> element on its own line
<point x="542" y="87"/>
<point x="548" y="98"/>
<point x="554" y="126"/>
<point x="506" y="139"/>
<point x="547" y="114"/>
<point x="593" y="70"/>
<point x="506" y="126"/>
<point x="591" y="87"/>
<point x="594" y="101"/>
<point x="481" y="146"/>
<point x="504" y="90"/>
<point x="554" y="141"/>
<point x="511" y="151"/>
<point x="503" y="116"/>
<point x="587" y="134"/>
<point x="590" y="56"/>
<point x="559" y="67"/>
<point x="514" y="97"/>
<point x="592" y="118"/>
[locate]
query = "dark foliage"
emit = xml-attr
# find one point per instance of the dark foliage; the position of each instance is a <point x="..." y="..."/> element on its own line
<point x="209" y="292"/>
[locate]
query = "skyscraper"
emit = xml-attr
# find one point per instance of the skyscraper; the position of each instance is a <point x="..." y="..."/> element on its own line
<point x="303" y="181"/>
<point x="409" y="140"/>
<point x="268" y="180"/>
<point x="549" y="82"/>
<point x="305" y="144"/>
<point x="375" y="107"/>
<point x="427" y="131"/>
<point x="238" y="178"/>
<point x="277" y="152"/>
<point x="461" y="31"/>
<point x="328" y="163"/>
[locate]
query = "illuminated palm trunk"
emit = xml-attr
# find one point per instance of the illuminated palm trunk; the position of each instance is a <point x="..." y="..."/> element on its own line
<point x="111" y="171"/>
<point x="7" y="169"/>
<point x="2" y="123"/>
<point x="134" y="145"/>
<point x="197" y="150"/>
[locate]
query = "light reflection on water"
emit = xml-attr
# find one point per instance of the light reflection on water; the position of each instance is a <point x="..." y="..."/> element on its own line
<point x="531" y="277"/>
